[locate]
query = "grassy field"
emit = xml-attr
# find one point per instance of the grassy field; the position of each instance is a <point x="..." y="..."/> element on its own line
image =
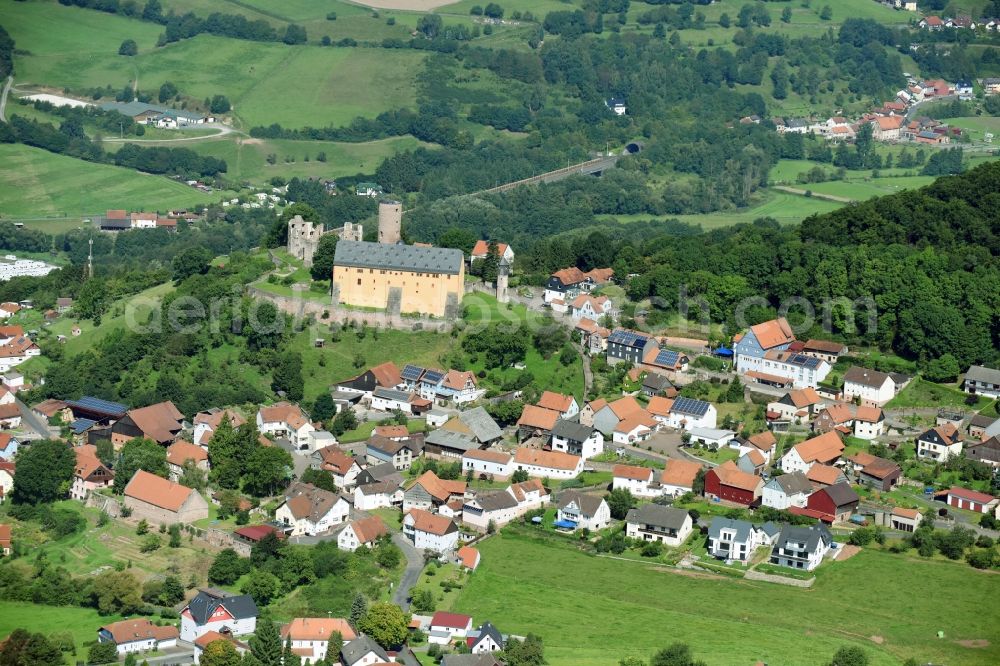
<point x="592" y="611"/>
<point x="329" y="85"/>
<point x="82" y="623"/>
<point x="921" y="393"/>
<point x="978" y="126"/>
<point x="40" y="184"/>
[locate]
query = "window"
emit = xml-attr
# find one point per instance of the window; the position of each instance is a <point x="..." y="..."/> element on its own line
<point x="359" y="282"/>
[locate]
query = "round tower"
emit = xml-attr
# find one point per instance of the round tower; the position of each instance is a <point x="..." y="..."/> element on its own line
<point x="390" y="222"/>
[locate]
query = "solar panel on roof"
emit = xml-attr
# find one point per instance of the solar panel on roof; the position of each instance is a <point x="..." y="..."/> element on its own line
<point x="690" y="406"/>
<point x="81" y="425"/>
<point x="411" y="373"/>
<point x="432" y="376"/>
<point x="96" y="404"/>
<point x="803" y="360"/>
<point x="667" y="358"/>
<point x="629" y="338"/>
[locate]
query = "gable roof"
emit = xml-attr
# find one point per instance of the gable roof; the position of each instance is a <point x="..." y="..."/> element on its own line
<point x="824" y="448"/>
<point x="841" y="493"/>
<point x="157" y="491"/>
<point x="811" y="536"/>
<point x="555" y="401"/>
<point x="794" y="483"/>
<point x="572" y="430"/>
<point x="731" y="475"/>
<point x="803" y="397"/>
<point x="865" y="377"/>
<point x="972" y="495"/>
<point x="589" y="504"/>
<point x="632" y="472"/>
<point x="305" y="500"/>
<point x="678" y="472"/>
<point x="179" y="452"/>
<point x="482" y="248"/>
<point x="948" y="433"/>
<point x="660" y="406"/>
<point x="281" y="412"/>
<point x="317" y="629"/>
<point x="139" y="629"/>
<point x="625" y="407"/>
<point x="476" y="422"/>
<point x="335" y="460"/>
<point x="160" y="422"/>
<point x="839" y="412"/>
<point x="457" y="380"/>
<point x="742" y="528"/>
<point x="206" y="602"/>
<point x="469" y="557"/>
<point x="765" y="441"/>
<point x="637" y="420"/>
<point x="538" y="417"/>
<point x="550" y="459"/>
<point x="658" y="516"/>
<point x="369" y="529"/>
<point x="387" y="374"/>
<point x="87" y="464"/>
<point x="773" y="333"/>
<point x="438" y="488"/>
<point x="425" y="521"/>
<point x="410" y="258"/>
<point x="360" y="647"/>
<point x="520" y="490"/>
<point x="826" y="475"/>
<point x="213" y="418"/>
<point x="489" y="455"/>
<point x="450" y="620"/>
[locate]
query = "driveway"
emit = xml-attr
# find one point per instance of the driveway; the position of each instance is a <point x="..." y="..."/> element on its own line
<point x="414" y="565"/>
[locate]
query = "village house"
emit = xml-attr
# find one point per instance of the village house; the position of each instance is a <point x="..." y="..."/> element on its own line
<point x="89" y="474"/>
<point x="475" y="424"/>
<point x="536" y="421"/>
<point x="875" y="472"/>
<point x="497" y="507"/>
<point x="887" y="128"/>
<point x="8" y="446"/>
<point x="362" y="532"/>
<point x="636" y="428"/>
<point x="248" y="536"/>
<point x="940" y="443"/>
<point x="625" y="346"/>
<point x="980" y="380"/>
<point x="181" y="452"/>
<point x="781" y="368"/>
<point x="637" y="480"/>
<point x="430" y="532"/>
<point x="530" y="495"/>
<point x="605" y="416"/>
<point x="206" y="423"/>
<point x="986" y="452"/>
<point x="592" y="336"/>
<point x="138" y="635"/>
<point x="16" y="351"/>
<point x="979" y="424"/>
<point x="446" y="627"/>
<point x="308" y="636"/>
<point x="787" y="490"/>
<point x="7" y="471"/>
<point x="570" y="436"/>
<point x="566" y="284"/>
<point x="796" y="407"/>
<point x="285" y="420"/>
<point x="547" y="464"/>
<point x="342" y="467"/>
<point x="386" y="375"/>
<point x="822" y="476"/>
<point x="826" y="449"/>
<point x="712" y="438"/>
<point x="163" y="502"/>
<point x="689" y="413"/>
<point x="458" y="388"/>
<point x="399" y="451"/>
<point x="578" y="510"/>
<point x="594" y="308"/>
<point x="751" y="346"/>
<point x="481" y="250"/>
<point x="161" y="423"/>
<point x="656" y="384"/>
<point x="667" y="361"/>
<point x="216" y="610"/>
<point x="801" y="547"/>
<point x="736" y="540"/>
<point x="763" y="443"/>
<point x="752" y="462"/>
<point x="9" y="309"/>
<point x="391" y="400"/>
<point x="430" y="492"/>
<point x="309" y="510"/>
<point x="50" y="408"/>
<point x="447" y="445"/>
<point x="727" y="482"/>
<point x="678" y="477"/>
<point x="377" y="495"/>
<point x="363" y="651"/>
<point x="835" y="503"/>
<point x="488" y="463"/>
<point x="485" y="639"/>
<point x="971" y="500"/>
<point x="6" y="542"/>
<point x="468" y="557"/>
<point x="652" y="522"/>
<point x="871" y="387"/>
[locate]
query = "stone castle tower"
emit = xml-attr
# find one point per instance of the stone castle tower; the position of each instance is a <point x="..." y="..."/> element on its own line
<point x="303" y="239"/>
<point x="390" y="222"/>
<point x="503" y="274"/>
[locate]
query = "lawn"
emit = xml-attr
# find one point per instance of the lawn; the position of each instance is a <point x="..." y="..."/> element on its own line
<point x="40" y="184"/>
<point x="924" y="394"/>
<point x="77" y="49"/>
<point x="592" y="611"/>
<point x="82" y="623"/>
<point x="978" y="126"/>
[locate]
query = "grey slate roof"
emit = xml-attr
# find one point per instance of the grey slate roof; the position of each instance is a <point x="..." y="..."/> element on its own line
<point x="981" y="421"/>
<point x="811" y="536"/>
<point x="496" y="501"/>
<point x="770" y="528"/>
<point x="865" y="376"/>
<point x="204" y="604"/>
<point x="979" y="373"/>
<point x="571" y="430"/>
<point x="354" y="651"/>
<point x="794" y="483"/>
<point x="392" y="394"/>
<point x="589" y="504"/>
<point x="659" y="516"/>
<point x="656" y="382"/>
<point x="741" y="527"/>
<point x="842" y="494"/>
<point x="487" y="629"/>
<point x="383" y="256"/>
<point x="483" y="659"/>
<point x="451" y="440"/>
<point x="479" y="421"/>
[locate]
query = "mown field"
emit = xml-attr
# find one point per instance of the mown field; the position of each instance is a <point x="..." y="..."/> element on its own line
<point x="593" y="611"/>
<point x="40" y="184"/>
<point x="82" y="623"/>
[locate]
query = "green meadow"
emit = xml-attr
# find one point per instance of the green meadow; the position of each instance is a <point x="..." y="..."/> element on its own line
<point x="592" y="611"/>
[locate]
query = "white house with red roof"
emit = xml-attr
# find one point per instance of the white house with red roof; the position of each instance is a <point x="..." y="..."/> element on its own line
<point x="286" y="420"/>
<point x="138" y="635"/>
<point x="7" y="471"/>
<point x="481" y="250"/>
<point x="590" y="307"/>
<point x="428" y="531"/>
<point x="636" y="480"/>
<point x="752" y="345"/>
<point x="446" y="627"/>
<point x="309" y="636"/>
<point x="216" y="610"/>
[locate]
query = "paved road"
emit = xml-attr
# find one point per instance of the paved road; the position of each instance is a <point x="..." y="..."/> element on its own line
<point x="815" y="195"/>
<point x="3" y="98"/>
<point x="588" y="374"/>
<point x="32" y="421"/>
<point x="414" y="565"/>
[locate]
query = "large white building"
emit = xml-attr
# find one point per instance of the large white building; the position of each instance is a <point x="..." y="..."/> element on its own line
<point x="431" y="532"/>
<point x="11" y="267"/>
<point x="208" y="611"/>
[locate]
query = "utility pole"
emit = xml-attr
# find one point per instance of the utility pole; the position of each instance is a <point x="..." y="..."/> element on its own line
<point x="121" y="129"/>
<point x="90" y="258"/>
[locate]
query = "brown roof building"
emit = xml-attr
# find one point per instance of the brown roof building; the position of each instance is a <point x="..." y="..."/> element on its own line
<point x="161" y="423"/>
<point x="163" y="502"/>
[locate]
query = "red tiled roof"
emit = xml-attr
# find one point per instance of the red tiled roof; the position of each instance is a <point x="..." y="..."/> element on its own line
<point x="489" y="455"/>
<point x="971" y="495"/>
<point x="773" y="333"/>
<point x="823" y="474"/>
<point x="387" y="374"/>
<point x="450" y="620"/>
<point x="555" y="401"/>
<point x="550" y="459"/>
<point x="730" y="475"/>
<point x="391" y="431"/>
<point x="538" y="417"/>
<point x="632" y="472"/>
<point x="482" y="248"/>
<point x="139" y="629"/>
<point x="181" y="451"/>
<point x="425" y="521"/>
<point x="825" y="448"/>
<point x="369" y="529"/>
<point x="317" y="629"/>
<point x="469" y="557"/>
<point x="157" y="491"/>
